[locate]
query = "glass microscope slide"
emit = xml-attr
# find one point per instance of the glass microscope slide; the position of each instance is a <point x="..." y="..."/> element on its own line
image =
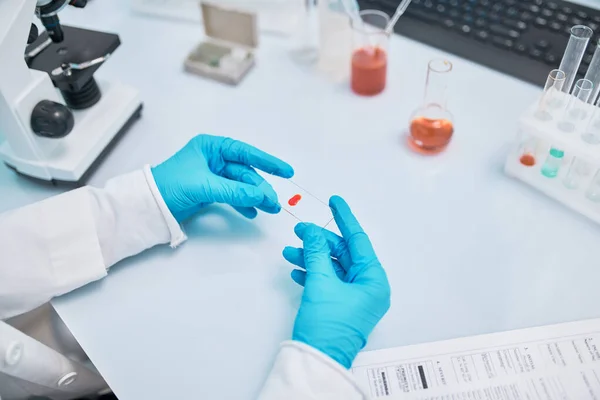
<point x="299" y="202"/>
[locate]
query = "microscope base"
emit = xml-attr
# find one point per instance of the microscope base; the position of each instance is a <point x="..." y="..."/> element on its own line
<point x="96" y="130"/>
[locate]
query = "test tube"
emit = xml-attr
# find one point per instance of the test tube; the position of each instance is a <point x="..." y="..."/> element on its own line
<point x="553" y="163"/>
<point x="578" y="171"/>
<point x="580" y="36"/>
<point x="527" y="151"/>
<point x="591" y="134"/>
<point x="593" y="74"/>
<point x="550" y="97"/>
<point x="593" y="192"/>
<point x="305" y="40"/>
<point x="574" y="113"/>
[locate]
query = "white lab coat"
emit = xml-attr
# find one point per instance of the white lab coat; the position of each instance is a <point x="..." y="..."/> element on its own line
<point x="60" y="244"/>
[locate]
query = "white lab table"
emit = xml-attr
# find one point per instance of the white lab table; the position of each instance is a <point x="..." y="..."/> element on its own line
<point x="467" y="249"/>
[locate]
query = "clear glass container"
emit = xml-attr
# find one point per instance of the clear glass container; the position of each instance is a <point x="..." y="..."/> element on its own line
<point x="370" y="52"/>
<point x="591" y="134"/>
<point x="335" y="40"/>
<point x="578" y="171"/>
<point x="593" y="73"/>
<point x="528" y="151"/>
<point x="553" y="163"/>
<point x="580" y="36"/>
<point x="305" y="39"/>
<point x="550" y="99"/>
<point x="574" y="113"/>
<point x="432" y="125"/>
<point x="593" y="192"/>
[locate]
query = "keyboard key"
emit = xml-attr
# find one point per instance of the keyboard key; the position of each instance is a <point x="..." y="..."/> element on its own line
<point x="485" y="3"/>
<point x="552" y="5"/>
<point x="576" y="21"/>
<point x="512" y="12"/>
<point x="454" y="3"/>
<point x="480" y="23"/>
<point x="582" y="14"/>
<point x="501" y="30"/>
<point x="520" y="48"/>
<point x="551" y="59"/>
<point x="540" y="22"/>
<point x="449" y="23"/>
<point x="532" y="8"/>
<point x="441" y="8"/>
<point x="454" y="14"/>
<point x="536" y="54"/>
<point x="502" y="42"/>
<point x="465" y="29"/>
<point x="426" y="16"/>
<point x="562" y="17"/>
<point x="497" y="7"/>
<point x="546" y="13"/>
<point x="468" y="19"/>
<point x="555" y="26"/>
<point x="567" y="10"/>
<point x="480" y="12"/>
<point x="526" y="16"/>
<point x="542" y="44"/>
<point x="593" y="26"/>
<point x="596" y="19"/>
<point x="510" y="3"/>
<point x="482" y="35"/>
<point x="495" y="17"/>
<point x="511" y="23"/>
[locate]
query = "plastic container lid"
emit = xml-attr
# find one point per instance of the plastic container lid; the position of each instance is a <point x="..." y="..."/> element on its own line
<point x="230" y="25"/>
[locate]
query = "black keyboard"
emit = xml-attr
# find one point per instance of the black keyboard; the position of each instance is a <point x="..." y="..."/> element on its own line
<point x="522" y="38"/>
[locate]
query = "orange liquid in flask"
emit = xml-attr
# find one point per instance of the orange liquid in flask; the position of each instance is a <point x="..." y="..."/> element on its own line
<point x="528" y="160"/>
<point x="430" y="136"/>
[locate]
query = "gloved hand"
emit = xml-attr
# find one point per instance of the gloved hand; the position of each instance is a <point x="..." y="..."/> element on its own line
<point x="344" y="296"/>
<point x="213" y="169"/>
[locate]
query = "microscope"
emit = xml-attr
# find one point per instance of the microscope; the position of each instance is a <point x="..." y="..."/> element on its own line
<point x="56" y="119"/>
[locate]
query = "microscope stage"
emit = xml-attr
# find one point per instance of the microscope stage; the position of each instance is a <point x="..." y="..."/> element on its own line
<point x="79" y="45"/>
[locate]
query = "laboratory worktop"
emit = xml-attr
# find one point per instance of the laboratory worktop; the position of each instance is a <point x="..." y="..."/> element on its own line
<point x="467" y="249"/>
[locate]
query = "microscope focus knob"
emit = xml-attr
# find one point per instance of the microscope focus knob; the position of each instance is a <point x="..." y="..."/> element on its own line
<point x="52" y="120"/>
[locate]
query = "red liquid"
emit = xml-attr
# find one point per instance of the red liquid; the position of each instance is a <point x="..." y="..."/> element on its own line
<point x="528" y="160"/>
<point x="294" y="200"/>
<point x="430" y="136"/>
<point x="369" y="71"/>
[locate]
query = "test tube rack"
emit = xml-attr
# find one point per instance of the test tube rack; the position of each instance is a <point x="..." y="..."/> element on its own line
<point x="546" y="135"/>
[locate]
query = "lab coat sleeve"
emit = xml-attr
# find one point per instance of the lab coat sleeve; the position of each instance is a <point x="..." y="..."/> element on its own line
<point x="301" y="372"/>
<point x="64" y="242"/>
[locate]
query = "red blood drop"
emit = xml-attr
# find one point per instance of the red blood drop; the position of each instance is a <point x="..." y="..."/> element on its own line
<point x="294" y="200"/>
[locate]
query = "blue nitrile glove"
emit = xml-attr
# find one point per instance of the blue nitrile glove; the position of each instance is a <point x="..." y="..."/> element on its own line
<point x="213" y="169"/>
<point x="344" y="296"/>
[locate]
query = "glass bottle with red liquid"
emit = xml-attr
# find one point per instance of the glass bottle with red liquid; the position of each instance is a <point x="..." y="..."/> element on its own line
<point x="432" y="125"/>
<point x="369" y="57"/>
